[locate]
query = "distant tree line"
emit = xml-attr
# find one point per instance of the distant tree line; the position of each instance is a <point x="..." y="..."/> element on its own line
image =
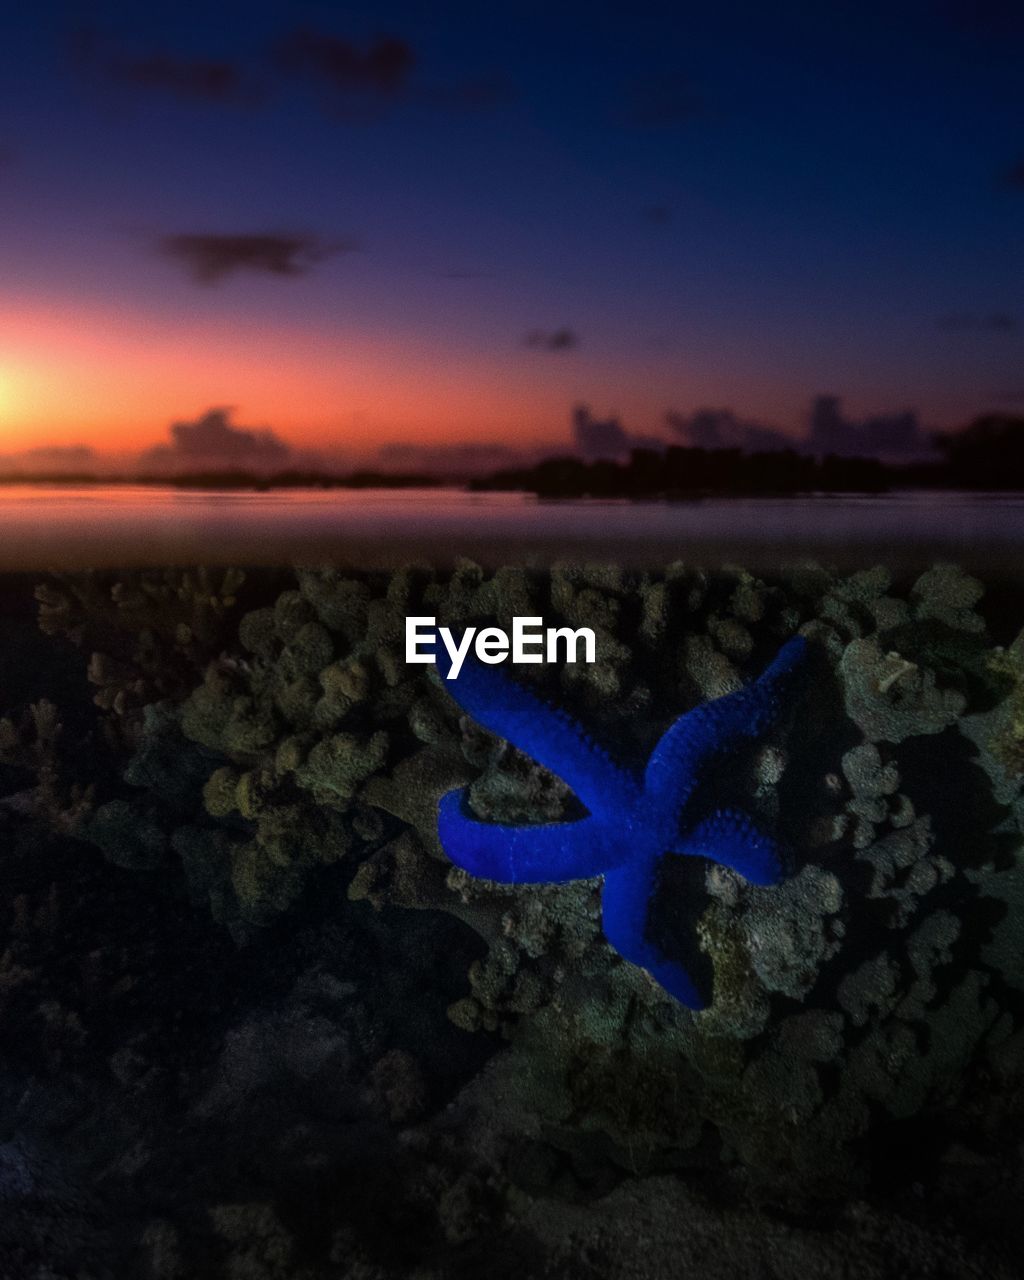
<point x="988" y="454"/>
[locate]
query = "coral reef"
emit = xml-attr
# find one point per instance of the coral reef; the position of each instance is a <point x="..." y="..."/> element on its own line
<point x="148" y="633"/>
<point x="290" y="739"/>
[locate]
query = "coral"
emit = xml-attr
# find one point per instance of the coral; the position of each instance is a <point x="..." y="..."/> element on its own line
<point x="148" y="632"/>
<point x="128" y="838"/>
<point x="31" y="744"/>
<point x="948" y="595"/>
<point x="1007" y="738"/>
<point x="789" y="941"/>
<point x="889" y="697"/>
<point x="872" y="783"/>
<point x="298" y="751"/>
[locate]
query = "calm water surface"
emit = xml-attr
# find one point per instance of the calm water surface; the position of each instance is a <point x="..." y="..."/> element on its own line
<point x="121" y="525"/>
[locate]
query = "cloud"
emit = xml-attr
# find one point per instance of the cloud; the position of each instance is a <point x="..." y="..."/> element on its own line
<point x="722" y="429"/>
<point x="595" y="438"/>
<point x="552" y="340"/>
<point x="210" y="258"/>
<point x="66" y="458"/>
<point x="607" y="439"/>
<point x="663" y="101"/>
<point x="970" y="322"/>
<point x="383" y="68"/>
<point x="363" y="79"/>
<point x="891" y="436"/>
<point x="198" y="79"/>
<point x="206" y="80"/>
<point x="213" y="443"/>
<point x="659" y="214"/>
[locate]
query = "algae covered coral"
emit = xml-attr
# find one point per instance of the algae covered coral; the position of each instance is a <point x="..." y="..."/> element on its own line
<point x="275" y="742"/>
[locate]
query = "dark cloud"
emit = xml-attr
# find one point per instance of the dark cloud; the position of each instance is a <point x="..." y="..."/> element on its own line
<point x="663" y="101"/>
<point x="382" y="68"/>
<point x="890" y="436"/>
<point x="209" y="257"/>
<point x="722" y="429"/>
<point x="607" y="439"/>
<point x="659" y="214"/>
<point x="595" y="438"/>
<point x="363" y="79"/>
<point x="210" y="81"/>
<point x="213" y="443"/>
<point x="552" y="340"/>
<point x="359" y="78"/>
<point x="199" y="79"/>
<point x="971" y="322"/>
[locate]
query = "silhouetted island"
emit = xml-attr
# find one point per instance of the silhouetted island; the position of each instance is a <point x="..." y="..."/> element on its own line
<point x="988" y="454"/>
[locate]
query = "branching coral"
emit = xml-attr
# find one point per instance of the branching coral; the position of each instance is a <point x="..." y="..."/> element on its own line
<point x="31" y="744"/>
<point x="148" y="632"/>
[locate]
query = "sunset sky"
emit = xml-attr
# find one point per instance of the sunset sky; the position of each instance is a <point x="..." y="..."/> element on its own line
<point x="442" y="223"/>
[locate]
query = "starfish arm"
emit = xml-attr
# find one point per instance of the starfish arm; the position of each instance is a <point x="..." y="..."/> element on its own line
<point x="628" y="890"/>
<point x="715" y="727"/>
<point x="549" y="853"/>
<point x="730" y="838"/>
<point x="549" y="736"/>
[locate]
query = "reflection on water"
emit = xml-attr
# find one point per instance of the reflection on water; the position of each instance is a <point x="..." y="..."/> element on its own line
<point x="127" y="525"/>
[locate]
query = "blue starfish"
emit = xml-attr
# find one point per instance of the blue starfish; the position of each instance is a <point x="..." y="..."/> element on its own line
<point x="632" y="820"/>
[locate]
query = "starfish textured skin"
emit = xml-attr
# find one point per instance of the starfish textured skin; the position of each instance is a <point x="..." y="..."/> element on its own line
<point x="632" y="819"/>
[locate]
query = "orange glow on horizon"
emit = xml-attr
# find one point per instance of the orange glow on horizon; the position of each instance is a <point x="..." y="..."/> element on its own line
<point x="89" y="374"/>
